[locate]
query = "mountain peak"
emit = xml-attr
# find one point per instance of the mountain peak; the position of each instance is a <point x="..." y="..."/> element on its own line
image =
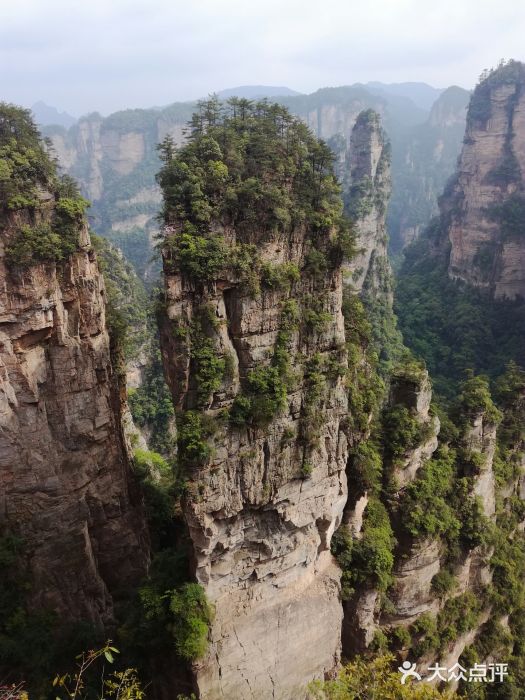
<point x="46" y="115"/>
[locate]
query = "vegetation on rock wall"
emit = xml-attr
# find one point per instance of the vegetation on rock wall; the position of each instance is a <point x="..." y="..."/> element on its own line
<point x="254" y="169"/>
<point x="454" y="327"/>
<point x="460" y="330"/>
<point x="253" y="166"/>
<point x="173" y="610"/>
<point x="506" y="73"/>
<point x="48" y="211"/>
<point x="126" y="297"/>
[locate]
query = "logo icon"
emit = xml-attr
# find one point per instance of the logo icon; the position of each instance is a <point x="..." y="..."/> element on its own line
<point x="408" y="670"/>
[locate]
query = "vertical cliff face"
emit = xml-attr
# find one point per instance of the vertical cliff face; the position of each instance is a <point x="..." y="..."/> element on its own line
<point x="254" y="353"/>
<point x="484" y="205"/>
<point x="366" y="194"/>
<point x="367" y="187"/>
<point x="66" y="487"/>
<point x="428" y="581"/>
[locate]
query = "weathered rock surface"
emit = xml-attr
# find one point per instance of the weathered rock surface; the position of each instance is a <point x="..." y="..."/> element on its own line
<point x="481" y="440"/>
<point x="484" y="251"/>
<point x="415" y="393"/>
<point x="416" y="562"/>
<point x="66" y="486"/>
<point x="411" y="592"/>
<point x="260" y="526"/>
<point x="360" y="621"/>
<point x="367" y="187"/>
<point x="268" y="640"/>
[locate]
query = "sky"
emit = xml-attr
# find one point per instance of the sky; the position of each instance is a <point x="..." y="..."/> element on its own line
<point x="105" y="55"/>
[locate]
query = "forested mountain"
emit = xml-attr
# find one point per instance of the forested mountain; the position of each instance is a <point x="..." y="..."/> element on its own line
<point x="115" y="159"/>
<point x="421" y="94"/>
<point x="308" y="487"/>
<point x="45" y="115"/>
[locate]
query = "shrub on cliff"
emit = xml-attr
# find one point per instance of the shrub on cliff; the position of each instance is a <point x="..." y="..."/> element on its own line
<point x="425" y="502"/>
<point x="25" y="162"/>
<point x="475" y="399"/>
<point x="369" y="560"/>
<point x="192" y="615"/>
<point x="27" y="170"/>
<point x="401" y="431"/>
<point x="264" y="398"/>
<point x="506" y="73"/>
<point x="252" y="166"/>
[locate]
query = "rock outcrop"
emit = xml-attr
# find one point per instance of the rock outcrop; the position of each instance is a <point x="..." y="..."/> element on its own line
<point x="416" y="562"/>
<point x="260" y="523"/>
<point x="66" y="486"/>
<point x="483" y="207"/>
<point x="367" y="187"/>
<point x="268" y="492"/>
<point x="414" y="603"/>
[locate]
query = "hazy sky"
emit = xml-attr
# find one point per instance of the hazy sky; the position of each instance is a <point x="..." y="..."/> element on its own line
<point x="105" y="55"/>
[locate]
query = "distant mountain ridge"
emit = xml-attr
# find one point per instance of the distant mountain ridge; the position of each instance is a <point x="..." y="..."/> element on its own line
<point x="254" y="92"/>
<point x="422" y="95"/>
<point x="47" y="115"/>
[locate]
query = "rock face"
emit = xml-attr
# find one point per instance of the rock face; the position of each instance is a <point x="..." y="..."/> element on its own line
<point x="66" y="486"/>
<point x="484" y="205"/>
<point x="261" y="529"/>
<point x="419" y="559"/>
<point x="416" y="562"/>
<point x="367" y="187"/>
<point x="411" y="593"/>
<point x="416" y="394"/>
<point x="267" y="494"/>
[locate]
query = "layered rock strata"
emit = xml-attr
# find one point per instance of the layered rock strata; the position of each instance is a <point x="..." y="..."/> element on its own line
<point x="260" y="522"/>
<point x="367" y="187"/>
<point x="66" y="486"/>
<point x="268" y="486"/>
<point x="484" y="205"/>
<point x="418" y="560"/>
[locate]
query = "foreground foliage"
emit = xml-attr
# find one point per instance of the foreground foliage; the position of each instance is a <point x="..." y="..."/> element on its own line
<point x="375" y="679"/>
